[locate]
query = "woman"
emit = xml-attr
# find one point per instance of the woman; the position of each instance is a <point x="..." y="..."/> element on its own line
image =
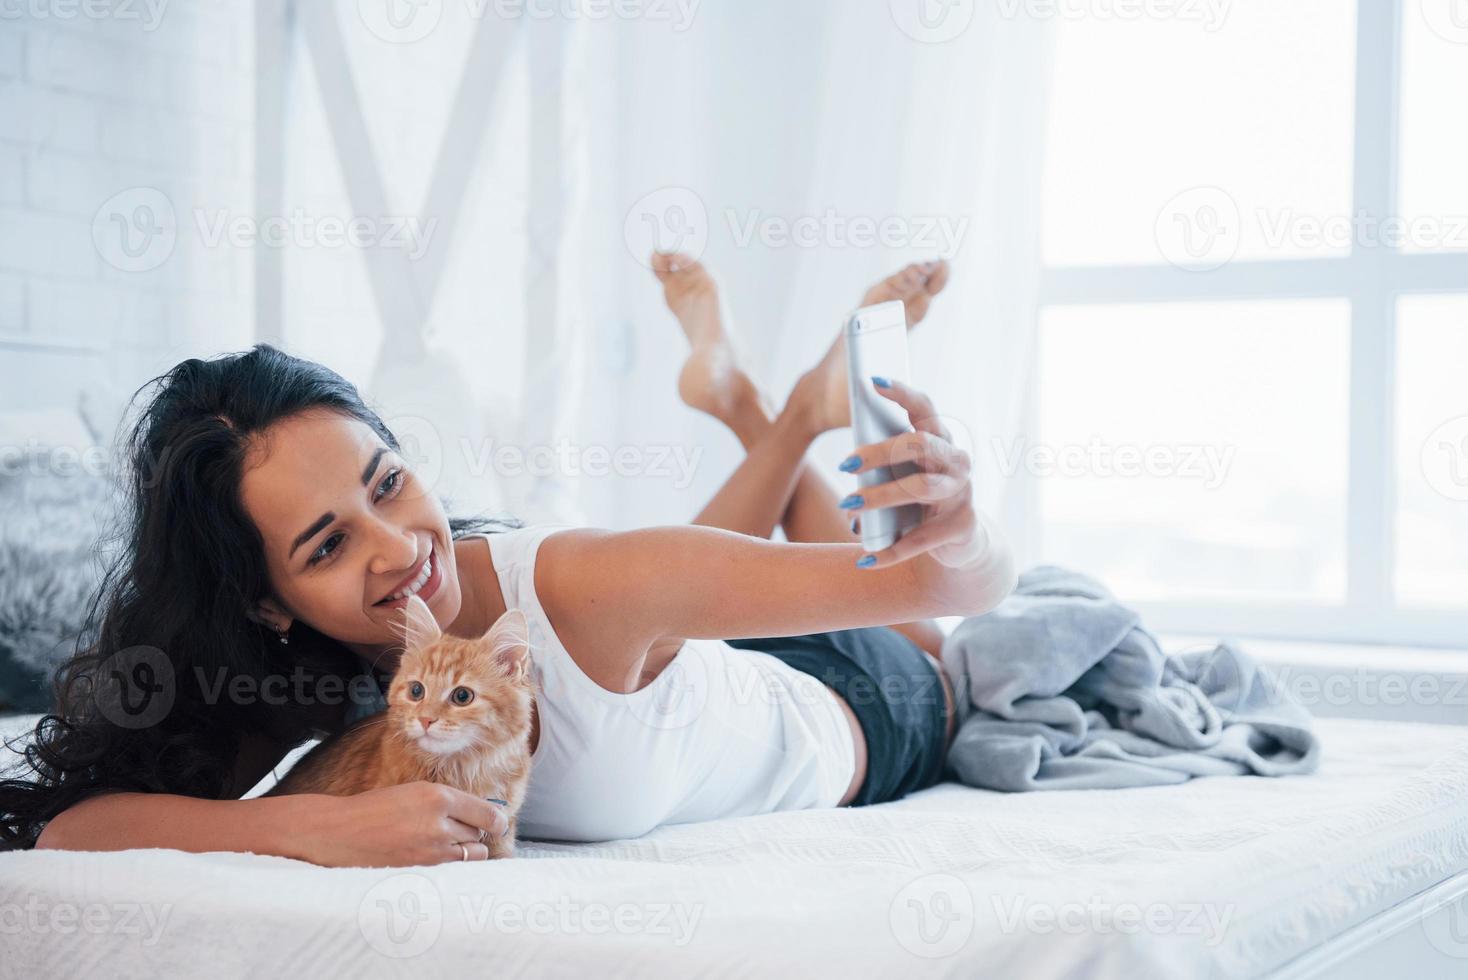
<point x="275" y="530"/>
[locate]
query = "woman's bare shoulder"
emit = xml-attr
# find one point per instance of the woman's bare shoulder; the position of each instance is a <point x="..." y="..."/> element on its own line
<point x="608" y="640"/>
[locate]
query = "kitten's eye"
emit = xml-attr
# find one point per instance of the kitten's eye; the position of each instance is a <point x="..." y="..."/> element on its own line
<point x="462" y="695"/>
<point x="415" y="691"/>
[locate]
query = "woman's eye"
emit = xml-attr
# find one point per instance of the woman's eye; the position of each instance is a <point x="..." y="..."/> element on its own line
<point x="327" y="547"/>
<point x="415" y="691"/>
<point x="462" y="695"/>
<point x="390" y="484"/>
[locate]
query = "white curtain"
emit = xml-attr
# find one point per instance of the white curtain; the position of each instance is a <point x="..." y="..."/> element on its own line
<point x="536" y="348"/>
<point x="775" y="111"/>
<point x="454" y="131"/>
<point x="947" y="138"/>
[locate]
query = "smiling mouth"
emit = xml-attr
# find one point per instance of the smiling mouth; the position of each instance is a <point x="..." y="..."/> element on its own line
<point x="423" y="583"/>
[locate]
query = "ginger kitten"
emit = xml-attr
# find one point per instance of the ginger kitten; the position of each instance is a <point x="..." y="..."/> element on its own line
<point x="458" y="713"/>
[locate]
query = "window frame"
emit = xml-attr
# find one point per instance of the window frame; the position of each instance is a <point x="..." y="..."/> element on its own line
<point x="1371" y="279"/>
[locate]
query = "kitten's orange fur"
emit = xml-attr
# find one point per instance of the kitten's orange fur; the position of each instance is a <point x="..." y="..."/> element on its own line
<point x="481" y="747"/>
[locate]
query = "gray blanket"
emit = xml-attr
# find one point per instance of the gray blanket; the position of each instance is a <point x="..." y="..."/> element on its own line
<point x="1065" y="690"/>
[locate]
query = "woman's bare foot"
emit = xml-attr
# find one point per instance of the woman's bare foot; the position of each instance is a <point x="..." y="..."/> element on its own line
<point x="915" y="285"/>
<point x="712" y="380"/>
<point x="825" y="384"/>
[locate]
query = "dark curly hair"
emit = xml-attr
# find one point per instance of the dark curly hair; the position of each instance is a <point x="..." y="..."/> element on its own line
<point x="189" y="564"/>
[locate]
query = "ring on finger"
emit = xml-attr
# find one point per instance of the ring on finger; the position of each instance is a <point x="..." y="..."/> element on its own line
<point x="463" y="852"/>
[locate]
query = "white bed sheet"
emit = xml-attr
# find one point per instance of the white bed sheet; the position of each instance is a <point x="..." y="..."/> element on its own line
<point x="1218" y="877"/>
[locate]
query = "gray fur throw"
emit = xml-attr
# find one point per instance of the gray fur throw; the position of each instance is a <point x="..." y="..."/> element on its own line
<point x="53" y="513"/>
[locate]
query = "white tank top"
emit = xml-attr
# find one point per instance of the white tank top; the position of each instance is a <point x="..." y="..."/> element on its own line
<point x="721" y="732"/>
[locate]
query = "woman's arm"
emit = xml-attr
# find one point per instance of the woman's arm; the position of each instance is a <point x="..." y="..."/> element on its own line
<point x="411" y="824"/>
<point x="611" y="595"/>
<point x="116" y="820"/>
<point x="693" y="581"/>
<point x="119" y="821"/>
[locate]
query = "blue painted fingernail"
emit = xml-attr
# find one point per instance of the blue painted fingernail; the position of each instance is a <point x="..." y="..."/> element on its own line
<point x="850" y="464"/>
<point x="500" y="802"/>
<point x="852" y="501"/>
<point x="880" y="381"/>
<point x="866" y="561"/>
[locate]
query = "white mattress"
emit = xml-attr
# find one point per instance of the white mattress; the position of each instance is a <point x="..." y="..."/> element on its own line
<point x="1218" y="877"/>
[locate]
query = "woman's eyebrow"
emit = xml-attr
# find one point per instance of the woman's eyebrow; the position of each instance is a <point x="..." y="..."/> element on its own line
<point x="328" y="517"/>
<point x="311" y="531"/>
<point x="372" y="465"/>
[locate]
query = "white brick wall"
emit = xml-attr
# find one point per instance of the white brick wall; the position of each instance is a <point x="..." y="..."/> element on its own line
<point x="40" y="116"/>
<point x="12" y="53"/>
<point x="12" y="302"/>
<point x="12" y="175"/>
<point x="89" y="108"/>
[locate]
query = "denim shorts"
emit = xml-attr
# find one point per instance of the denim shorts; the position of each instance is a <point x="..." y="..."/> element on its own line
<point x="894" y="690"/>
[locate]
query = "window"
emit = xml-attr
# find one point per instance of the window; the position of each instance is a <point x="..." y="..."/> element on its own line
<point x="1252" y="367"/>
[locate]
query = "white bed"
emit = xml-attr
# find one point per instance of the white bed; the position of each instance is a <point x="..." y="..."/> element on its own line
<point x="1359" y="870"/>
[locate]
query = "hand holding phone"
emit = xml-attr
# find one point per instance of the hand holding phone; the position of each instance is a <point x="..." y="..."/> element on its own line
<point x="876" y="345"/>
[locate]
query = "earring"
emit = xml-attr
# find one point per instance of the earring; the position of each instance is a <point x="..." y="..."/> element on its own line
<point x="283" y="636"/>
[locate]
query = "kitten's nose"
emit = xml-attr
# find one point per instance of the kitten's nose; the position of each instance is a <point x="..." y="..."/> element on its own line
<point x="426" y="722"/>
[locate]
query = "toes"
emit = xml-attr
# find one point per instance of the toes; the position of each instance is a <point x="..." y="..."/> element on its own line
<point x="937" y="276"/>
<point x="665" y="264"/>
<point x="914" y="284"/>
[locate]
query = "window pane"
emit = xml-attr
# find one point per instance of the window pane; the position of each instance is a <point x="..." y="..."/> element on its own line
<point x="1432" y="451"/>
<point x="1258" y="104"/>
<point x="1195" y="450"/>
<point x="1434" y="195"/>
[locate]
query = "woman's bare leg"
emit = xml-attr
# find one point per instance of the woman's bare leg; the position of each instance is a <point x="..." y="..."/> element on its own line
<point x="775" y="485"/>
<point x="803" y="502"/>
<point x="763" y="491"/>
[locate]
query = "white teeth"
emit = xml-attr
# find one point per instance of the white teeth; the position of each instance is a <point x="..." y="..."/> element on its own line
<point x="417" y="583"/>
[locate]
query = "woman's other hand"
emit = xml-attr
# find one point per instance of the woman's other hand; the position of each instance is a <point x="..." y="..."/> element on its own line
<point x="415" y="823"/>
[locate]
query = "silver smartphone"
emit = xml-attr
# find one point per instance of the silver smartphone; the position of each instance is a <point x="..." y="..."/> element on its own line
<point x="876" y="344"/>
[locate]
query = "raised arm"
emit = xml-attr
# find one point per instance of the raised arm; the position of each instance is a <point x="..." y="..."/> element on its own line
<point x="611" y="595"/>
<point x="694" y="581"/>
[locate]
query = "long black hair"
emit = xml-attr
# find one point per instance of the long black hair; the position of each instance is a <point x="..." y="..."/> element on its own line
<point x="138" y="705"/>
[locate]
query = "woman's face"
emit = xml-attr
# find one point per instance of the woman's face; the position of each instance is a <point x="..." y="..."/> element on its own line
<point x="349" y="530"/>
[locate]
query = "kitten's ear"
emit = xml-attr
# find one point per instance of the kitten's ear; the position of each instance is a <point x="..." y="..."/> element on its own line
<point x="509" y="641"/>
<point x="419" y="627"/>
